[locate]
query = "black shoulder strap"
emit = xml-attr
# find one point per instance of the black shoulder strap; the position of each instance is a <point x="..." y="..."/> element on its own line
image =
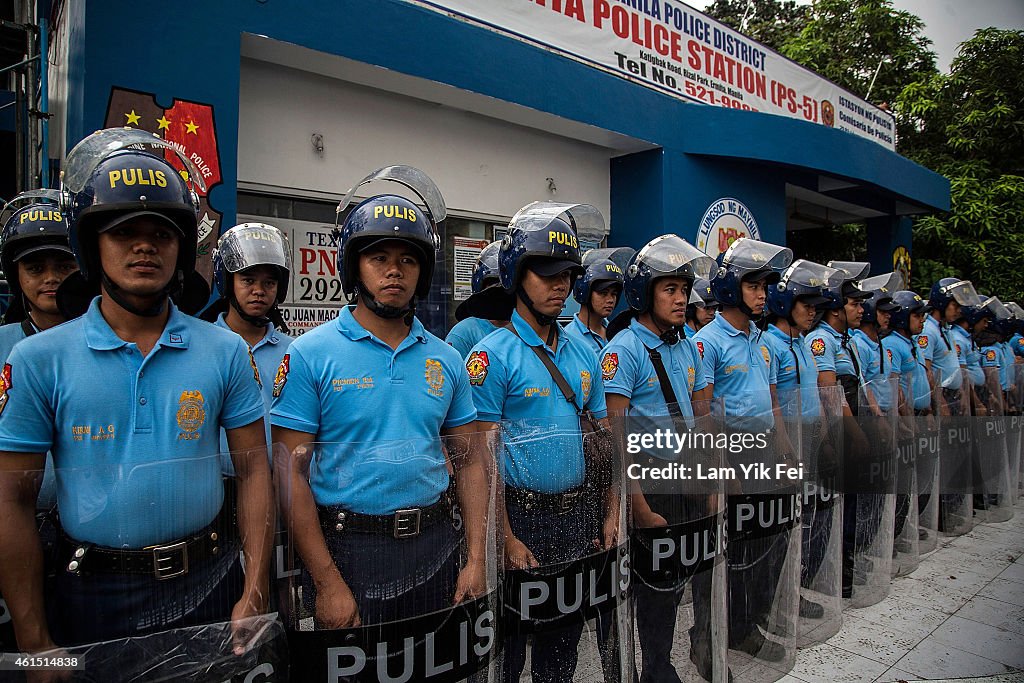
<point x="556" y="374"/>
<point x="27" y="327"/>
<point x="666" y="385"/>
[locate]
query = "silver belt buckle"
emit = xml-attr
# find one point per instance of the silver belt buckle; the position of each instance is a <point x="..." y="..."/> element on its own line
<point x="407" y="523"/>
<point x="163" y="558"/>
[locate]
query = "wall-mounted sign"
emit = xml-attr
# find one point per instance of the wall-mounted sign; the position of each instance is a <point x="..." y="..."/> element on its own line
<point x="673" y="48"/>
<point x="190" y="125"/>
<point x="725" y="221"/>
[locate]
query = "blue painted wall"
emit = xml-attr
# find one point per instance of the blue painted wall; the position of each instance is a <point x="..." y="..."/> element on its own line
<point x="190" y="50"/>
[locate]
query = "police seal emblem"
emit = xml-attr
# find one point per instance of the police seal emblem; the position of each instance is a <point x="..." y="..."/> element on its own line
<point x="5" y="386"/>
<point x="476" y="366"/>
<point x="585" y="384"/>
<point x="609" y="366"/>
<point x="818" y="347"/>
<point x="922" y="341"/>
<point x="191" y="411"/>
<point x="435" y="377"/>
<point x="282" y="375"/>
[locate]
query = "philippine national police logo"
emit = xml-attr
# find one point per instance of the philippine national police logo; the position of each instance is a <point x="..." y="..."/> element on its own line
<point x="191" y="414"/>
<point x="888" y="352"/>
<point x="435" y="377"/>
<point x="922" y="341"/>
<point x="585" y="384"/>
<point x="282" y="375"/>
<point x="818" y="347"/>
<point x="989" y="356"/>
<point x="5" y="386"/>
<point x="700" y="349"/>
<point x="476" y="366"/>
<point x="828" y="113"/>
<point x="958" y="351"/>
<point x="609" y="366"/>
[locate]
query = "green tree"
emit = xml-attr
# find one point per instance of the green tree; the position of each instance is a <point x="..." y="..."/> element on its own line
<point x="969" y="126"/>
<point x="850" y="41"/>
<point x="769" y="22"/>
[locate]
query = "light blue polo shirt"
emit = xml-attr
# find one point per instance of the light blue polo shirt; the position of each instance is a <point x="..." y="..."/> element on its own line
<point x="790" y="358"/>
<point x="627" y="370"/>
<point x="10" y="335"/>
<point x="945" y="364"/>
<point x="874" y="367"/>
<point x="905" y="356"/>
<point x="969" y="354"/>
<point x="267" y="354"/>
<point x="543" y="444"/>
<point x="576" y="329"/>
<point x="739" y="366"/>
<point x="1006" y="368"/>
<point x="134" y="439"/>
<point x="376" y="413"/>
<point x="466" y="333"/>
<point x="690" y="332"/>
<point x="826" y="347"/>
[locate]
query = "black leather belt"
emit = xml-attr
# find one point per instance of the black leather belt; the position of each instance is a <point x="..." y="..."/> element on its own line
<point x="405" y="523"/>
<point x="162" y="562"/>
<point x="558" y="503"/>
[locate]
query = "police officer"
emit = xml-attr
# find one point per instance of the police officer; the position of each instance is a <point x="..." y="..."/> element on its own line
<point x="738" y="369"/>
<point x="471" y="329"/>
<point x="946" y="298"/>
<point x="792" y="310"/>
<point x="251" y="268"/>
<point x="702" y="307"/>
<point x="550" y="483"/>
<point x="36" y="258"/>
<point x="874" y="325"/>
<point x="597" y="291"/>
<point x="974" y="322"/>
<point x="377" y="540"/>
<point x="127" y="368"/>
<point x="655" y="348"/>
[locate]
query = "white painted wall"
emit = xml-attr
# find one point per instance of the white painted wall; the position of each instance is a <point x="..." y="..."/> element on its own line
<point x="483" y="166"/>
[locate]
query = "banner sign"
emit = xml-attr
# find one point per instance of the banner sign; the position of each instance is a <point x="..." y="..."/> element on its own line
<point x="314" y="293"/>
<point x="671" y="47"/>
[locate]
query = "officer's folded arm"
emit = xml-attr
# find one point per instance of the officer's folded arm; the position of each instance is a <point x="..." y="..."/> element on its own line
<point x="256" y="518"/>
<point x="21" y="553"/>
<point x="472" y="487"/>
<point x="335" y="605"/>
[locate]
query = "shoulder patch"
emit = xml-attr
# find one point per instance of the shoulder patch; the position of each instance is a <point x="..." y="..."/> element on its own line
<point x="282" y="375"/>
<point x="255" y="370"/>
<point x="767" y="356"/>
<point x="1020" y="342"/>
<point x="989" y="355"/>
<point x="609" y="366"/>
<point x="5" y="386"/>
<point x="959" y="352"/>
<point x="476" y="366"/>
<point x="700" y="348"/>
<point x="888" y="352"/>
<point x="922" y="341"/>
<point x="818" y="347"/>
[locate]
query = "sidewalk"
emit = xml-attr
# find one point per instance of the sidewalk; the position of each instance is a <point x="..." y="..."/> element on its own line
<point x="959" y="615"/>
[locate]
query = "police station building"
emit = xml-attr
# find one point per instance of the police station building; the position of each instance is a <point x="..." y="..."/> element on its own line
<point x="656" y="114"/>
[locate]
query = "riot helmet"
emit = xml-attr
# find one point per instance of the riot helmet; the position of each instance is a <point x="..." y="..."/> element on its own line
<point x="748" y="260"/>
<point x="485" y="270"/>
<point x="245" y="246"/>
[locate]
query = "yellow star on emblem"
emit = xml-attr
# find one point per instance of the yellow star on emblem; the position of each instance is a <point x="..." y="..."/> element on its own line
<point x="191" y="127"/>
<point x="132" y="118"/>
<point x="164" y="123"/>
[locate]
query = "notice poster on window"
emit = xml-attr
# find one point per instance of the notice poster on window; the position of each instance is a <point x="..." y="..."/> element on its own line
<point x="467" y="251"/>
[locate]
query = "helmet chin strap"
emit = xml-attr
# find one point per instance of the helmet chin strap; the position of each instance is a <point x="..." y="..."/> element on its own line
<point x="542" y="319"/>
<point x="672" y="334"/>
<point x="383" y="310"/>
<point x="161" y="297"/>
<point x="254" y="320"/>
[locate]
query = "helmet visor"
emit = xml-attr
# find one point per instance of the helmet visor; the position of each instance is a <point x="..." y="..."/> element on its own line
<point x="750" y="254"/>
<point x="963" y="293"/>
<point x="412" y="178"/>
<point x="996" y="308"/>
<point x="253" y="244"/>
<point x="488" y="258"/>
<point x="618" y="255"/>
<point x="855" y="270"/>
<point x="886" y="283"/>
<point x="811" y="274"/>
<point x="672" y="255"/>
<point x="1015" y="310"/>
<point x="585" y="219"/>
<point x="87" y="155"/>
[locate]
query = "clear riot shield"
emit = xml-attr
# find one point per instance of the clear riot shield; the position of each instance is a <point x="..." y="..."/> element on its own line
<point x="677" y="542"/>
<point x="145" y="575"/>
<point x="869" y="500"/>
<point x="396" y="568"/>
<point x="764" y="487"/>
<point x="906" y="529"/>
<point x="1016" y="430"/>
<point x="821" y="445"/>
<point x="991" y="460"/>
<point x="928" y="442"/>
<point x="955" y="517"/>
<point x="567" y="566"/>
